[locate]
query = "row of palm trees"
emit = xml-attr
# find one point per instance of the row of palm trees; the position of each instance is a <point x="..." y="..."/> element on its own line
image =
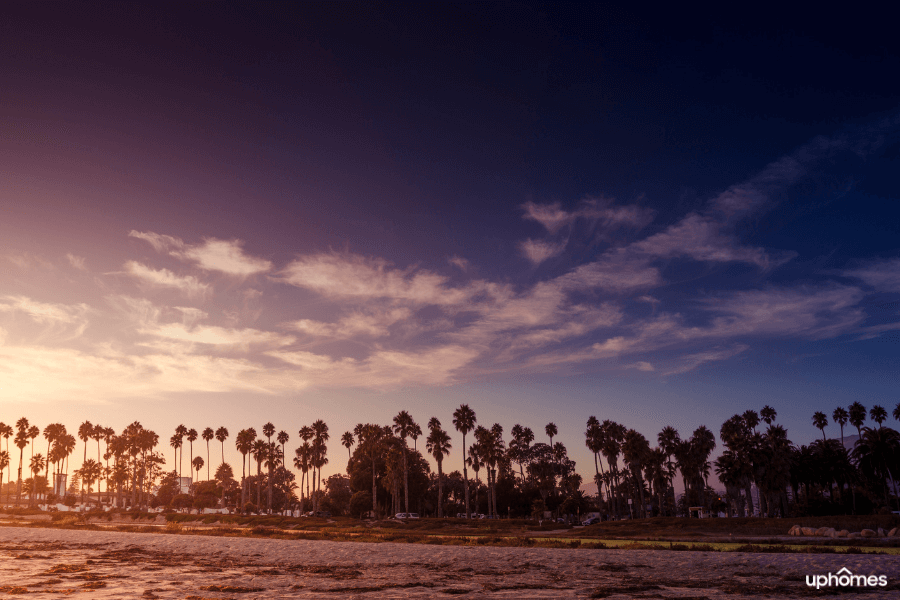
<point x="765" y="460"/>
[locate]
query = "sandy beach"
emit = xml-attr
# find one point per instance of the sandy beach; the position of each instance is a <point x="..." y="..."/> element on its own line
<point x="45" y="563"/>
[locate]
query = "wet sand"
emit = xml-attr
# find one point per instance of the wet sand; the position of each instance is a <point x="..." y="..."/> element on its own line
<point x="45" y="563"/>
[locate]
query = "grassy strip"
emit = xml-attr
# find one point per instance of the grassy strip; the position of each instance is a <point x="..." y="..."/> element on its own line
<point x="369" y="536"/>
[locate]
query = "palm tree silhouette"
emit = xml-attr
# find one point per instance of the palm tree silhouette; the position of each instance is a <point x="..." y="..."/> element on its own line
<point x="768" y="414"/>
<point x="520" y="445"/>
<point x="244" y="444"/>
<point x="319" y="460"/>
<point x="464" y="421"/>
<point x="347" y="442"/>
<point x="198" y="463"/>
<point x="191" y="438"/>
<point x="840" y="417"/>
<point x="221" y="436"/>
<point x="668" y="439"/>
<point x="181" y="431"/>
<point x="878" y="414"/>
<point x="438" y="445"/>
<point x="875" y="452"/>
<point x="4" y="464"/>
<point x="820" y="421"/>
<point x="857" y="414"/>
<point x="6" y="431"/>
<point x="283" y="439"/>
<point x="176" y="442"/>
<point x="404" y="427"/>
<point x="208" y="435"/>
<point x="593" y="439"/>
<point x="258" y="451"/>
<point x="85" y="431"/>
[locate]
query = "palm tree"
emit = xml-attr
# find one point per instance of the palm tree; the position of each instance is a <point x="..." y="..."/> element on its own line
<point x="875" y="452"/>
<point x="181" y="431"/>
<point x="464" y="421"/>
<point x="90" y="472"/>
<point x="283" y="439"/>
<point x="176" y="443"/>
<point x="668" y="439"/>
<point x="221" y="436"/>
<point x="635" y="451"/>
<point x="51" y="433"/>
<point x="820" y="421"/>
<point x="198" y="463"/>
<point x="551" y="431"/>
<point x="415" y="434"/>
<point x="4" y="464"/>
<point x="840" y="417"/>
<point x="768" y="414"/>
<point x="85" y="431"/>
<point x="191" y="438"/>
<point x="258" y="451"/>
<point x="6" y="431"/>
<point x="370" y="439"/>
<point x="438" y="444"/>
<point x="403" y="427"/>
<point x="320" y="449"/>
<point x="593" y="439"/>
<point x="301" y="461"/>
<point x="896" y="412"/>
<point x="878" y="414"/>
<point x="857" y="414"/>
<point x="244" y="444"/>
<point x="208" y="435"/>
<point x="37" y="463"/>
<point x="347" y="442"/>
<point x="476" y="463"/>
<point x="751" y="418"/>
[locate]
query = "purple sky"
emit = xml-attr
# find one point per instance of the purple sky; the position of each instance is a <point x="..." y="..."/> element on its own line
<point x="227" y="215"/>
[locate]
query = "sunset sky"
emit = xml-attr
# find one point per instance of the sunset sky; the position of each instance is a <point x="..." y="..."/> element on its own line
<point x="221" y="215"/>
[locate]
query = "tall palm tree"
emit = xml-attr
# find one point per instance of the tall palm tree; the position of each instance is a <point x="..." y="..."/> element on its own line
<point x="878" y="414"/>
<point x="415" y="434"/>
<point x="593" y="439"/>
<point x="6" y="431"/>
<point x="320" y="449"/>
<point x="191" y="438"/>
<point x="768" y="414"/>
<point x="857" y="414"/>
<point x="347" y="442"/>
<point x="51" y="433"/>
<point x="668" y="439"/>
<point x="181" y="431"/>
<point x="35" y="466"/>
<point x="4" y="464"/>
<point x="464" y="421"/>
<point x="370" y="438"/>
<point x="258" y="451"/>
<point x="438" y="444"/>
<point x="635" y="451"/>
<point x="283" y="438"/>
<point x="85" y="431"/>
<point x="840" y="417"/>
<point x="752" y="419"/>
<point x="403" y="427"/>
<point x="176" y="443"/>
<point x="551" y="431"/>
<point x="221" y="436"/>
<point x="197" y="463"/>
<point x="244" y="444"/>
<point x="208" y="435"/>
<point x="896" y="413"/>
<point x="476" y="463"/>
<point x="820" y="421"/>
<point x="269" y="431"/>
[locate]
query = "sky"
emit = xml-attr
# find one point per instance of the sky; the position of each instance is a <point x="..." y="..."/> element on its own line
<point x="229" y="214"/>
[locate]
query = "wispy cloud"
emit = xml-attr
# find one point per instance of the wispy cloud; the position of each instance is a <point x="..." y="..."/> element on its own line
<point x="882" y="275"/>
<point x="77" y="262"/>
<point x="165" y="278"/>
<point x="225" y="256"/>
<point x="537" y="251"/>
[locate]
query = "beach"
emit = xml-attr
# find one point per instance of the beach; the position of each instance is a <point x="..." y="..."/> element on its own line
<point x="45" y="563"/>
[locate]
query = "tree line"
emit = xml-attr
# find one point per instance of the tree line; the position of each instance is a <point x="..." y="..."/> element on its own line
<point x="386" y="472"/>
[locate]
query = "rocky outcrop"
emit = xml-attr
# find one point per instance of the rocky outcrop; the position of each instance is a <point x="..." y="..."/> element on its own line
<point x="868" y="533"/>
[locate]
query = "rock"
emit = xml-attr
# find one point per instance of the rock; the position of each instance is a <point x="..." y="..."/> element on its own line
<point x="825" y="531"/>
<point x="880" y="532"/>
<point x="867" y="533"/>
<point x="893" y="532"/>
<point x="842" y="533"/>
<point x="795" y="530"/>
<point x="808" y="531"/>
<point x="853" y="535"/>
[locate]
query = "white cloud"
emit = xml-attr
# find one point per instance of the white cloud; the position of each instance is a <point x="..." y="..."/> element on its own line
<point x="884" y="275"/>
<point x="188" y="284"/>
<point x="537" y="251"/>
<point x="45" y="313"/>
<point x="216" y="336"/>
<point x="602" y="213"/>
<point x="77" y="262"/>
<point x="692" y="361"/>
<point x="352" y="276"/>
<point x="459" y="262"/>
<point x="226" y="256"/>
<point x="368" y="324"/>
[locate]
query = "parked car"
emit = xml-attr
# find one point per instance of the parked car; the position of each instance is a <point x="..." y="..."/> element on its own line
<point x="591" y="521"/>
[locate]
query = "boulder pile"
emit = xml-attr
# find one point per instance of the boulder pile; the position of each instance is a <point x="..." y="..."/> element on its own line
<point x="796" y="530"/>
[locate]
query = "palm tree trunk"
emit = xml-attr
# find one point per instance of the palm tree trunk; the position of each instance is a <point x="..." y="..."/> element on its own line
<point x="466" y="478"/>
<point x="440" y="502"/>
<point x="405" y="479"/>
